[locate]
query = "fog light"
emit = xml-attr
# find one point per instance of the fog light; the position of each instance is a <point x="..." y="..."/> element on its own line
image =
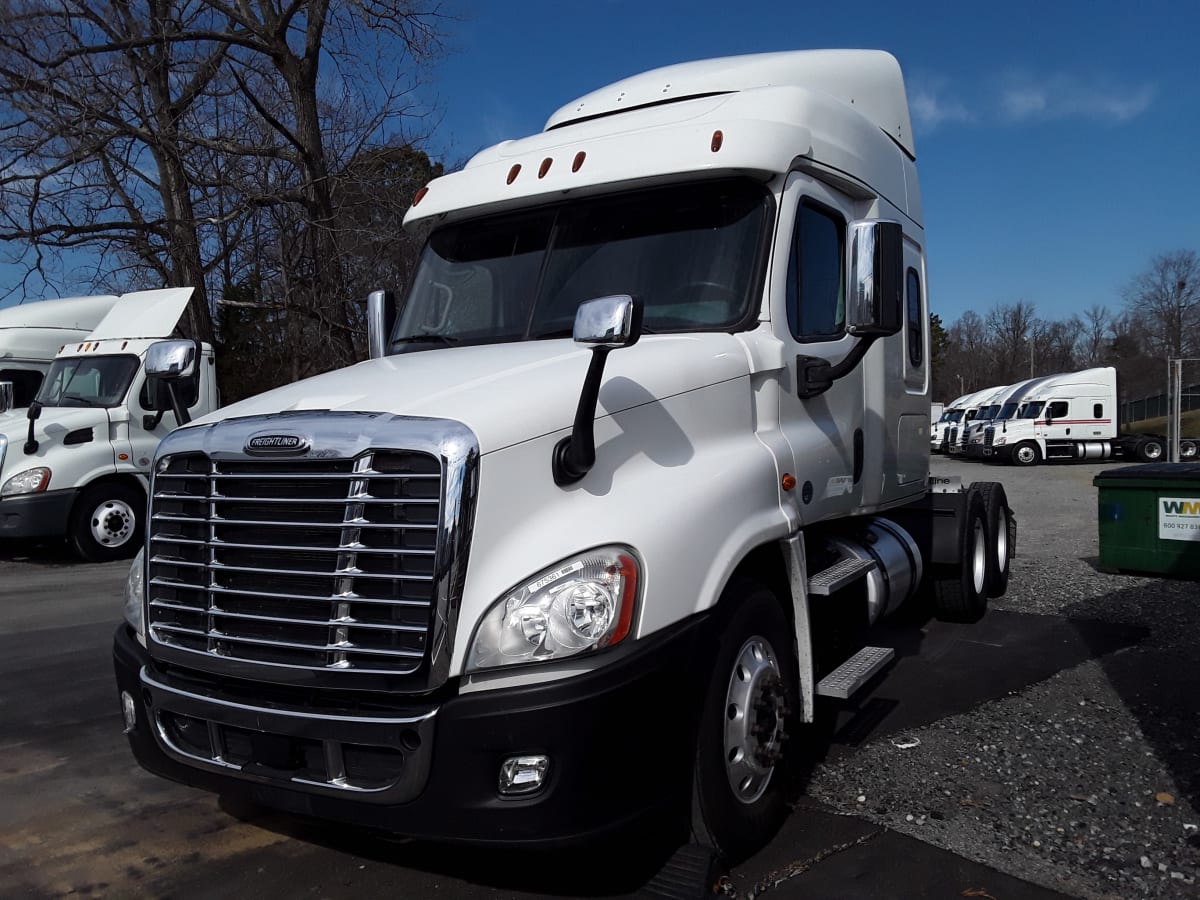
<point x="523" y="774"/>
<point x="129" y="711"/>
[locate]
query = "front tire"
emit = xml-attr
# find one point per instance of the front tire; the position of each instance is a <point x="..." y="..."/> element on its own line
<point x="107" y="522"/>
<point x="739" y="796"/>
<point x="1026" y="453"/>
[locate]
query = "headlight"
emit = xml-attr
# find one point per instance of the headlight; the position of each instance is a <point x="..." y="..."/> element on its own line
<point x="134" y="593"/>
<point x="1000" y="441"/>
<point x="584" y="603"/>
<point x="31" y="481"/>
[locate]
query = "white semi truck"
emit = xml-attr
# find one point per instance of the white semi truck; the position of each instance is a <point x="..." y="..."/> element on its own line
<point x="1072" y="415"/>
<point x="984" y="406"/>
<point x="957" y="416"/>
<point x="75" y="462"/>
<point x="497" y="585"/>
<point x="31" y="334"/>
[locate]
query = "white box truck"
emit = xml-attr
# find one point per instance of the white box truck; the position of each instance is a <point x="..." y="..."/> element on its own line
<point x="497" y="585"/>
<point x="31" y="334"/>
<point x="75" y="462"/>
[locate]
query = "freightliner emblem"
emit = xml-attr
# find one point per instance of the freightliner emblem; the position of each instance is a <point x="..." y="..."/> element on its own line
<point x="277" y="443"/>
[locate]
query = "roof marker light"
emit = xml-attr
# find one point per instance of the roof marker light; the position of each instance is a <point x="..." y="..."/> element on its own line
<point x="514" y="172"/>
<point x="577" y="163"/>
<point x="717" y="140"/>
<point x="417" y="197"/>
<point x="545" y="167"/>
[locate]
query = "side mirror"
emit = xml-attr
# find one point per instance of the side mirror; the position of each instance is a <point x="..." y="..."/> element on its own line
<point x="171" y="359"/>
<point x="876" y="302"/>
<point x="604" y="324"/>
<point x="172" y="363"/>
<point x="6" y="396"/>
<point x="381" y="316"/>
<point x="609" y="322"/>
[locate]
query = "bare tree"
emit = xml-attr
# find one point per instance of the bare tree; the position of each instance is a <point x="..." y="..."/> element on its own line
<point x="1094" y="335"/>
<point x="1165" y="299"/>
<point x="1011" y="327"/>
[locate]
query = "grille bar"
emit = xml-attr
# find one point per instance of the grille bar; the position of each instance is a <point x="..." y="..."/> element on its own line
<point x="323" y="564"/>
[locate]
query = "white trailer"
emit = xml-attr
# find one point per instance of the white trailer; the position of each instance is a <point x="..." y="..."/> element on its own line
<point x="76" y="461"/>
<point x="31" y="334"/>
<point x="460" y="589"/>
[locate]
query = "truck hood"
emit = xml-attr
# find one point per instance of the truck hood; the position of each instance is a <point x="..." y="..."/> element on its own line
<point x="508" y="393"/>
<point x="54" y="424"/>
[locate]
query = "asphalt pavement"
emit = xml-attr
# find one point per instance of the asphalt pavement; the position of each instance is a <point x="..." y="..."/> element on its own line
<point x="1047" y="751"/>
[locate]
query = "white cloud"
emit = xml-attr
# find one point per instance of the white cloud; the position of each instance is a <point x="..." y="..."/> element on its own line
<point x="1024" y="97"/>
<point x="932" y="103"/>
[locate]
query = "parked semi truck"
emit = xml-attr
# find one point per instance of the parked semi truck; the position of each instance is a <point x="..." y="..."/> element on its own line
<point x="1073" y="415"/>
<point x="985" y="405"/>
<point x="75" y="462"/>
<point x="31" y="334"/>
<point x="639" y="456"/>
<point x="957" y="417"/>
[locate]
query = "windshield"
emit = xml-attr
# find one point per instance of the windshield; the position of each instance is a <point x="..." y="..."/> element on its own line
<point x="952" y="415"/>
<point x="1008" y="410"/>
<point x="691" y="253"/>
<point x="988" y="412"/>
<point x="88" y="381"/>
<point x="1030" y="410"/>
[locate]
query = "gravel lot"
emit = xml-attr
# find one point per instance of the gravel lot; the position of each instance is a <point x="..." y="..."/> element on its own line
<point x="1087" y="782"/>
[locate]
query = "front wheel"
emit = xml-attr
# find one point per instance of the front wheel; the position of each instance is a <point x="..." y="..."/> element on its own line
<point x="740" y="779"/>
<point x="107" y="522"/>
<point x="1026" y="453"/>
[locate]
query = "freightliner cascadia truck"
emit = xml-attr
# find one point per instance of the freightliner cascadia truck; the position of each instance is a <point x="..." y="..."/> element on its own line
<point x="75" y="462"/>
<point x="640" y="455"/>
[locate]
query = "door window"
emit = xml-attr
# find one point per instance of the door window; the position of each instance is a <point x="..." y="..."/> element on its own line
<point x="816" y="306"/>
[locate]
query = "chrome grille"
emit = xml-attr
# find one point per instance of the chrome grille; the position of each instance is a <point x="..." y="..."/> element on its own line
<point x="989" y="435"/>
<point x="309" y="564"/>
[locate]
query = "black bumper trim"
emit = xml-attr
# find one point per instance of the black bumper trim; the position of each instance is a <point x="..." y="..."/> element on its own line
<point x="619" y="740"/>
<point x="36" y="515"/>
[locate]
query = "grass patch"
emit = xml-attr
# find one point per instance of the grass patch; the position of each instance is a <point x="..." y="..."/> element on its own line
<point x="1189" y="425"/>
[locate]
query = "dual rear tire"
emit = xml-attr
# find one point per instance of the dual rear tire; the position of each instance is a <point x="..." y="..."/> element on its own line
<point x="986" y="544"/>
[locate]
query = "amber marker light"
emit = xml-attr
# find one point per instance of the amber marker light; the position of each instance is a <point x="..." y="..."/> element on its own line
<point x="577" y="163"/>
<point x="628" y="571"/>
<point x="717" y="140"/>
<point x="788" y="482"/>
<point x="420" y="195"/>
<point x="122" y="456"/>
<point x="514" y="172"/>
<point x="545" y="167"/>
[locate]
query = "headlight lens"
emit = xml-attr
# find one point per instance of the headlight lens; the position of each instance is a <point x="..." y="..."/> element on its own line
<point x="134" y="592"/>
<point x="584" y="603"/>
<point x="31" y="481"/>
<point x="1000" y="441"/>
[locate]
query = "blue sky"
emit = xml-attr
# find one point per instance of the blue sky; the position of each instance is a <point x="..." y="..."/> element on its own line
<point x="1057" y="142"/>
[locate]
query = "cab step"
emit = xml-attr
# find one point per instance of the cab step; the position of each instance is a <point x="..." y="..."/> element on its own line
<point x="854" y="672"/>
<point x="831" y="580"/>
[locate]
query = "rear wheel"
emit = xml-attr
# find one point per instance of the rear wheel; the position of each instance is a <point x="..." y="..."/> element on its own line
<point x="960" y="591"/>
<point x="1149" y="450"/>
<point x="1187" y="449"/>
<point x="740" y="780"/>
<point x="1026" y="453"/>
<point x="107" y="522"/>
<point x="1002" y="535"/>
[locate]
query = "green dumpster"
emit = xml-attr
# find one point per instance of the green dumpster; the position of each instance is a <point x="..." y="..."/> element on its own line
<point x="1150" y="518"/>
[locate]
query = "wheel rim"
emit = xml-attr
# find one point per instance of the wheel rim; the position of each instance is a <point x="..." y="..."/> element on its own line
<point x="112" y="523"/>
<point x="754" y="720"/>
<point x="1001" y="539"/>
<point x="1025" y="454"/>
<point x="979" y="557"/>
<point x="1153" y="451"/>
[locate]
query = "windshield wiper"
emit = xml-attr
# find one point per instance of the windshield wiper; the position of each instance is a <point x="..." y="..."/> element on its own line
<point x="429" y="336"/>
<point x="83" y="401"/>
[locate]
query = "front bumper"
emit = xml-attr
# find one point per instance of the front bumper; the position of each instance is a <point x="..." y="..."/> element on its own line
<point x="618" y="739"/>
<point x="36" y="515"/>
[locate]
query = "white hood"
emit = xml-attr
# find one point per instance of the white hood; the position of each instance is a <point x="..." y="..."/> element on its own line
<point x="508" y="393"/>
<point x="54" y="424"/>
<point x="145" y="314"/>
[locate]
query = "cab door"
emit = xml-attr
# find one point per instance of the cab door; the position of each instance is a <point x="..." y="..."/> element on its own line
<point x="808" y="305"/>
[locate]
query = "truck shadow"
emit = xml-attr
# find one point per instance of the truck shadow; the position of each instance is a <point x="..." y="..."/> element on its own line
<point x="515" y="872"/>
<point x="1157" y="680"/>
<point x="48" y="553"/>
